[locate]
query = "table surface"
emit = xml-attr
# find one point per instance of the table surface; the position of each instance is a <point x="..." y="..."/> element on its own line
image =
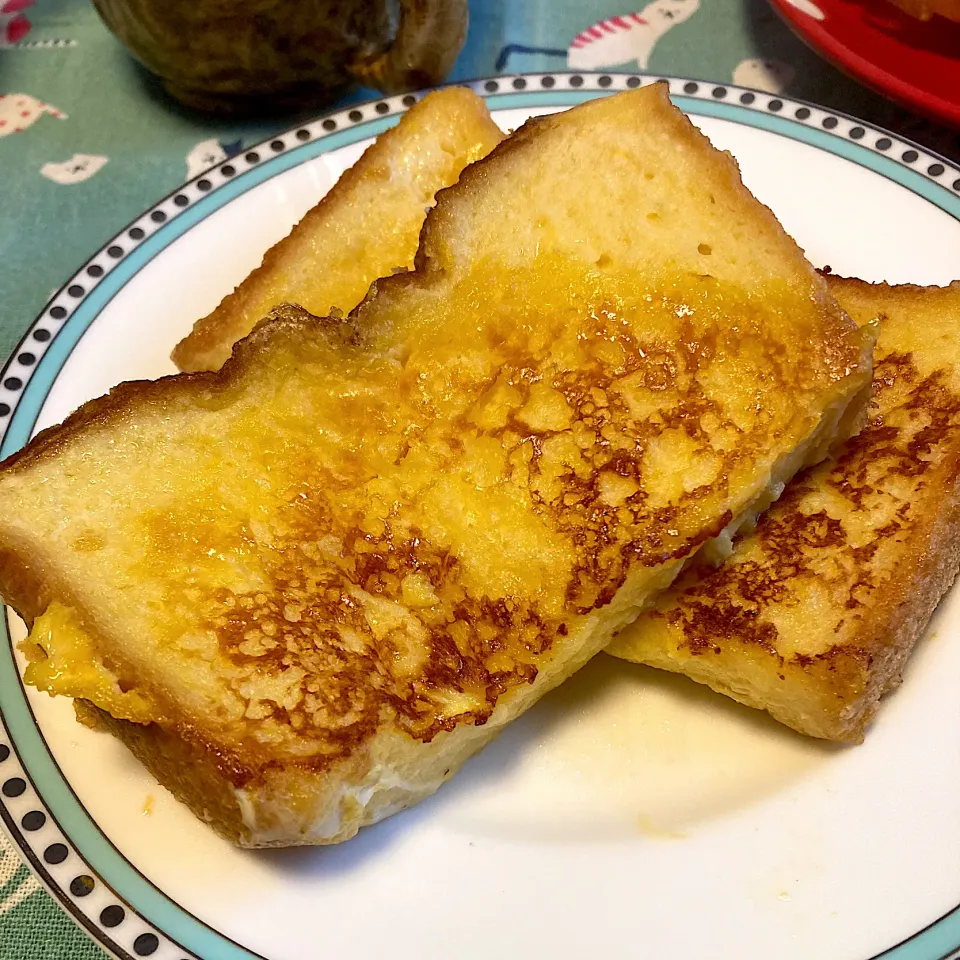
<point x="84" y="96"/>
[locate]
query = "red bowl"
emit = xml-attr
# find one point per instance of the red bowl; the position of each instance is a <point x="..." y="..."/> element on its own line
<point x="915" y="62"/>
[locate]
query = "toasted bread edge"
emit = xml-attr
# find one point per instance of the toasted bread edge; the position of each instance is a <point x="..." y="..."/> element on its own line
<point x="209" y="343"/>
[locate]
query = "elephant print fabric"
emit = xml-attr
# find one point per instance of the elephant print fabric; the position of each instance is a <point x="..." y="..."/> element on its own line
<point x="770" y="76"/>
<point x="208" y="153"/>
<point x="19" y="111"/>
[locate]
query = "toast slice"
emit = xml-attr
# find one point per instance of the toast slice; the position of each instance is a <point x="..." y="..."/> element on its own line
<point x="306" y="587"/>
<point x="365" y="227"/>
<point x="816" y="612"/>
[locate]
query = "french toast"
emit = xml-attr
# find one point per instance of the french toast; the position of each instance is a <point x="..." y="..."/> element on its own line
<point x="366" y="226"/>
<point x="817" y="610"/>
<point x="305" y="588"/>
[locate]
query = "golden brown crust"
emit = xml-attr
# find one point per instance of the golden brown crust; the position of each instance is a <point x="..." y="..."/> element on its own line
<point x="190" y="772"/>
<point x="819" y="608"/>
<point x="365" y="226"/>
<point x="285" y="321"/>
<point x="354" y="565"/>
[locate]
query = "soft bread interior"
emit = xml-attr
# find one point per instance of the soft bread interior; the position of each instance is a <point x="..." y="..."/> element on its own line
<point x="333" y="570"/>
<point x="815" y="614"/>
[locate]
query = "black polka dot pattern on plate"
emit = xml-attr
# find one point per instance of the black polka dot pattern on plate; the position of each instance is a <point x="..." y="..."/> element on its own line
<point x="135" y="234"/>
<point x="829" y="123"/>
<point x="204" y="185"/>
<point x="747" y="98"/>
<point x="41" y="335"/>
<point x="775" y="106"/>
<point x="303" y="135"/>
<point x="355" y="116"/>
<point x="4" y="752"/>
<point x="228" y="170"/>
<point x="935" y="169"/>
<point x="82" y="886"/>
<point x="55" y="853"/>
<point x="329" y="125"/>
<point x="409" y="100"/>
<point x="605" y="81"/>
<point x="145" y="944"/>
<point x="883" y="144"/>
<point x="576" y="80"/>
<point x="75" y="290"/>
<point x="13" y="787"/>
<point x="691" y="87"/>
<point x="13" y="383"/>
<point x="491" y="86"/>
<point x="158" y="216"/>
<point x="180" y="200"/>
<point x="910" y="156"/>
<point x="112" y="916"/>
<point x="718" y="93"/>
<point x="519" y="84"/>
<point x="802" y="114"/>
<point x="956" y="185"/>
<point x="33" y="820"/>
<point x="94" y="270"/>
<point x="277" y="146"/>
<point x="58" y="313"/>
<point x="547" y="82"/>
<point x="4" y="409"/>
<point x="27" y="359"/>
<point x="633" y="82"/>
<point x="252" y="157"/>
<point x="382" y="107"/>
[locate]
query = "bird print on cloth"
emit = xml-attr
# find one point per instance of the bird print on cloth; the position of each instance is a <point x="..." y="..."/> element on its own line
<point x="617" y="41"/>
<point x="80" y="167"/>
<point x="19" y="111"/>
<point x="14" y="24"/>
<point x="620" y="40"/>
<point x="770" y="76"/>
<point x="208" y="153"/>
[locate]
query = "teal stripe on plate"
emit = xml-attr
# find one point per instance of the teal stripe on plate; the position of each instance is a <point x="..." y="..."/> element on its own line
<point x="112" y="867"/>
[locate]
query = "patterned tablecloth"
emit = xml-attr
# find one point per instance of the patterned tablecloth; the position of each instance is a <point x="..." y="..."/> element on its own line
<point x="88" y="140"/>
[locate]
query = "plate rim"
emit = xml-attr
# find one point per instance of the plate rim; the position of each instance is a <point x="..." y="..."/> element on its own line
<point x="169" y="218"/>
<point x="823" y="42"/>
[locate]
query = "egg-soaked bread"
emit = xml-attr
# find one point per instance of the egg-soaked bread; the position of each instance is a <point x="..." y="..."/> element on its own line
<point x="366" y="226"/>
<point x="308" y="586"/>
<point x="816" y="612"/>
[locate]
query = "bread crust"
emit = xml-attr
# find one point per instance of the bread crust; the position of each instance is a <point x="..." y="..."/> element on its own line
<point x="338" y="249"/>
<point x="733" y="628"/>
<point x="486" y="543"/>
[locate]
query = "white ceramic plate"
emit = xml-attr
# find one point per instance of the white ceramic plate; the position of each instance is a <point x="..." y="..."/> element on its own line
<point x="632" y="813"/>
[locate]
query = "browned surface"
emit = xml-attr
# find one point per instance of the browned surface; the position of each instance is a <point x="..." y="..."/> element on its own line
<point x="189" y="771"/>
<point x="817" y="610"/>
<point x="367" y="225"/>
<point x="365" y="540"/>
